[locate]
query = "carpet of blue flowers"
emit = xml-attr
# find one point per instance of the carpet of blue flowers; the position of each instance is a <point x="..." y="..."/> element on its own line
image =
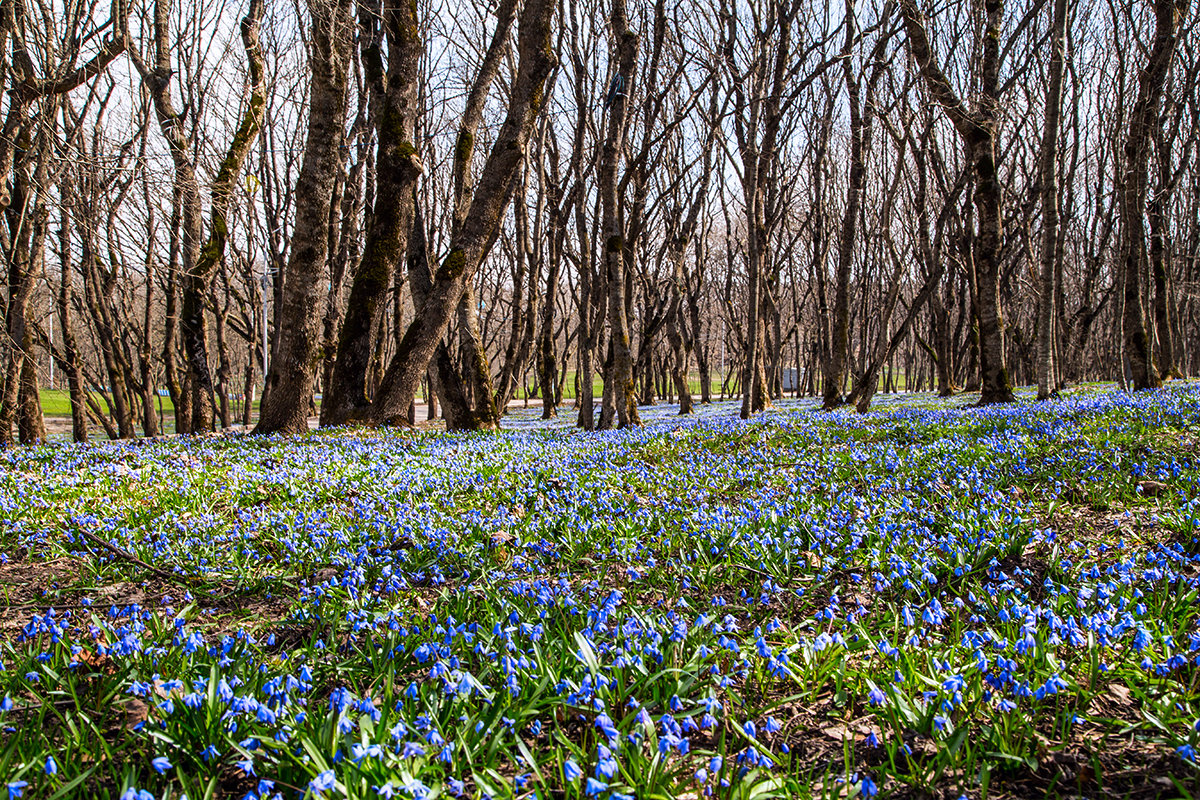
<point x="929" y="600"/>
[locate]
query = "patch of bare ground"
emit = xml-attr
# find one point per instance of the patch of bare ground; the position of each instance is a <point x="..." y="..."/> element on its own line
<point x="34" y="586"/>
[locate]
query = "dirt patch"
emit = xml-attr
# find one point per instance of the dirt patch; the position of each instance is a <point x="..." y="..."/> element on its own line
<point x="35" y="586"/>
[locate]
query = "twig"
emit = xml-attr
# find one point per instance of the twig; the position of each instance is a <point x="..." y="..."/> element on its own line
<point x="128" y="556"/>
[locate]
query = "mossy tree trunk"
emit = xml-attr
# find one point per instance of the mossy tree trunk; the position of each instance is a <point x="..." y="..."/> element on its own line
<point x="397" y="168"/>
<point x="201" y="257"/>
<point x="293" y="366"/>
<point x="619" y="371"/>
<point x="471" y="238"/>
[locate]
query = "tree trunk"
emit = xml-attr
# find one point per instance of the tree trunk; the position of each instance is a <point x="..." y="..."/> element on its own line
<point x="1049" y="186"/>
<point x="977" y="128"/>
<point x="860" y="143"/>
<point x="70" y="350"/>
<point x="1168" y="15"/>
<point x="470" y="241"/>
<point x="676" y="335"/>
<point x="620" y="369"/>
<point x="290" y="380"/>
<point x="397" y="168"/>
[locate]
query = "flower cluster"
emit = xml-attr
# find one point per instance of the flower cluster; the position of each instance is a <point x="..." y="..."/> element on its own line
<point x="681" y="609"/>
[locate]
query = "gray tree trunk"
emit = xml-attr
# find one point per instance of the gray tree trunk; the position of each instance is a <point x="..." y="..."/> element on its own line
<point x="294" y="363"/>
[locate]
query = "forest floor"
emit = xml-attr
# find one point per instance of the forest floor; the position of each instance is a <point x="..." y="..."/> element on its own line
<point x="927" y="601"/>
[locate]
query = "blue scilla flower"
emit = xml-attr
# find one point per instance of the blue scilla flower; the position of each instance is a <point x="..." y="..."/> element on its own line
<point x="161" y="764"/>
<point x="322" y="783"/>
<point x="571" y="772"/>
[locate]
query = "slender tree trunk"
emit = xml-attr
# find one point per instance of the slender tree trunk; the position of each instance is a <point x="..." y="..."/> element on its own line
<point x="1049" y="186"/>
<point x="70" y="350"/>
<point x="860" y="142"/>
<point x="469" y="243"/>
<point x="547" y="362"/>
<point x="677" y="335"/>
<point x="180" y="399"/>
<point x="620" y="370"/>
<point x="977" y="128"/>
<point x="1158" y="215"/>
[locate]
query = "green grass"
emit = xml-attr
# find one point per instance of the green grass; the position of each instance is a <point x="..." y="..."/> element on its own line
<point x="57" y="402"/>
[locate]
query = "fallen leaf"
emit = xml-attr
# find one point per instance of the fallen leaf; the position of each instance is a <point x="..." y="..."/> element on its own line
<point x="1152" y="488"/>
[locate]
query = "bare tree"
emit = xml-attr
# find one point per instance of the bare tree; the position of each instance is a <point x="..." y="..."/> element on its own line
<point x="977" y="126"/>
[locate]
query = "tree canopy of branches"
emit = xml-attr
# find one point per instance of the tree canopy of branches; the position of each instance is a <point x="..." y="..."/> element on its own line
<point x="334" y="211"/>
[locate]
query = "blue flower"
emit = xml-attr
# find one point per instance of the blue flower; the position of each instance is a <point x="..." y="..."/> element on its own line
<point x="594" y="786"/>
<point x="51" y="766"/>
<point x="571" y="772"/>
<point x="161" y="764"/>
<point x="16" y="788"/>
<point x="322" y="783"/>
<point x="1186" y="752"/>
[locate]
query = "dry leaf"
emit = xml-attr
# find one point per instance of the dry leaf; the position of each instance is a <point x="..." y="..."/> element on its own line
<point x="1152" y="488"/>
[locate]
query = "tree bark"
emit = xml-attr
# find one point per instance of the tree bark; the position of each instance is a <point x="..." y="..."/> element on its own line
<point x="1049" y="191"/>
<point x="1168" y="16"/>
<point x="293" y="366"/>
<point x="70" y="350"/>
<point x="469" y="243"/>
<point x="977" y="128"/>
<point x="398" y="166"/>
<point x="620" y="369"/>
